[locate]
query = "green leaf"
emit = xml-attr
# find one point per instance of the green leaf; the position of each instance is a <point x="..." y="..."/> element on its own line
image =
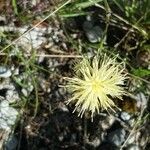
<point x="141" y="72"/>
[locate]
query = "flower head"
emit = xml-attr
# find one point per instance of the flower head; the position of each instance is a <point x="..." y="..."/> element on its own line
<point x="95" y="83"/>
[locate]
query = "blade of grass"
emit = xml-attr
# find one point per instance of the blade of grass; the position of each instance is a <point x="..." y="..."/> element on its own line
<point x="74" y="14"/>
<point x="14" y="4"/>
<point x="86" y="4"/>
<point x="118" y="4"/>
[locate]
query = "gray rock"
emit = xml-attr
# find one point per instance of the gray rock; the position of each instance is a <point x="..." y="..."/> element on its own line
<point x="125" y="116"/>
<point x="107" y="122"/>
<point x="63" y="107"/>
<point x="11" y="143"/>
<point x="133" y="147"/>
<point x="141" y="100"/>
<point x="93" y="33"/>
<point x="24" y="92"/>
<point x="61" y="91"/>
<point x="5" y="72"/>
<point x="12" y="96"/>
<point x="27" y="91"/>
<point x="8" y="115"/>
<point x="117" y="137"/>
<point x="94" y="142"/>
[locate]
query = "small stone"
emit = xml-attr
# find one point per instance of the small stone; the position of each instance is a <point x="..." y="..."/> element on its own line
<point x="133" y="147"/>
<point x="30" y="87"/>
<point x="106" y="124"/>
<point x="63" y="107"/>
<point x="12" y="96"/>
<point x="43" y="84"/>
<point x="125" y="116"/>
<point x="117" y="137"/>
<point x="16" y="71"/>
<point x="61" y="91"/>
<point x="24" y="92"/>
<point x="48" y="90"/>
<point x="5" y="72"/>
<point x="61" y="137"/>
<point x="8" y="115"/>
<point x="11" y="143"/>
<point x="93" y="33"/>
<point x="95" y="142"/>
<point x="141" y="100"/>
<point x="41" y="57"/>
<point x="2" y="18"/>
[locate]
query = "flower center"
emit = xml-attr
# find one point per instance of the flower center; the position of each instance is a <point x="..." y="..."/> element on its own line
<point x="96" y="86"/>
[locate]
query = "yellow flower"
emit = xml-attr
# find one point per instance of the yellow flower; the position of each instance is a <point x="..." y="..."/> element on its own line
<point x="95" y="83"/>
